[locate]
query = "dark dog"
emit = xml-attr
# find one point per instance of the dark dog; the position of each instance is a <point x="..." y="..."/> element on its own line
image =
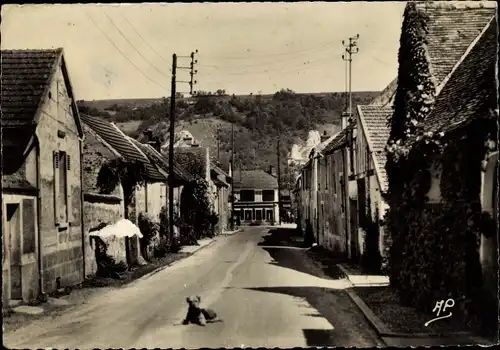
<point x="196" y="314"/>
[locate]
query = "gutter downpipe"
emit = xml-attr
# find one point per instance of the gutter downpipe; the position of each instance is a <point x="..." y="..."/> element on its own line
<point x="81" y="210"/>
<point x="38" y="209"/>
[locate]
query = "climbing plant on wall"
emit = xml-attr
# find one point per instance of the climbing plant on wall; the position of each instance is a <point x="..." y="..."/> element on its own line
<point x="120" y="171"/>
<point x="196" y="207"/>
<point x="420" y="233"/>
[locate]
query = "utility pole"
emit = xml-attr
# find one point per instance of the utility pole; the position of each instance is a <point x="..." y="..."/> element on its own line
<point x="173" y="93"/>
<point x="348" y="154"/>
<point x="232" y="175"/>
<point x="351" y="48"/>
<point x="218" y="144"/>
<point x="279" y="178"/>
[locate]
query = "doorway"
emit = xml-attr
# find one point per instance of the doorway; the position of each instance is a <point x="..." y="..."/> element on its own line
<point x="12" y="247"/>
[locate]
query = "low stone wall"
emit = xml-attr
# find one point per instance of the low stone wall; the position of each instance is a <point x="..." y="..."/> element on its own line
<point x="99" y="209"/>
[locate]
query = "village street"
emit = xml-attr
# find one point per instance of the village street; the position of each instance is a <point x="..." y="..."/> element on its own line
<point x="266" y="293"/>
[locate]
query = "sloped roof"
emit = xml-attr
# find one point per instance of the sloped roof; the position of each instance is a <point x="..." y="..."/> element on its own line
<point x="160" y="161"/>
<point x="387" y="95"/>
<point x="471" y="92"/>
<point x="26" y="77"/>
<point x="451" y="30"/>
<point x="254" y="179"/>
<point x="374" y="125"/>
<point x="120" y="142"/>
<point x="95" y="152"/>
<point x="339" y="140"/>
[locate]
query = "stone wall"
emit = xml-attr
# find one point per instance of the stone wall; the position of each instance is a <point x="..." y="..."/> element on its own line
<point x="98" y="211"/>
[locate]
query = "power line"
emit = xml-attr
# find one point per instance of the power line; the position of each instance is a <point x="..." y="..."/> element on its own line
<point x="288" y="70"/>
<point x="272" y="54"/>
<point x="132" y="45"/>
<point x="125" y="56"/>
<point x="273" y="61"/>
<point x="145" y="42"/>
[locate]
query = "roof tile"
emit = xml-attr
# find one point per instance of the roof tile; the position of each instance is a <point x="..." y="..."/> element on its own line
<point x="451" y="30"/>
<point x="120" y="142"/>
<point x="471" y="91"/>
<point x="374" y="122"/>
<point x="254" y="179"/>
<point x="25" y="77"/>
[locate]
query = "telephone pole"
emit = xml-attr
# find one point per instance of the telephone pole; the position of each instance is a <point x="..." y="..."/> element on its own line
<point x="173" y="93"/>
<point x="279" y="178"/>
<point x="232" y="176"/>
<point x="351" y="48"/>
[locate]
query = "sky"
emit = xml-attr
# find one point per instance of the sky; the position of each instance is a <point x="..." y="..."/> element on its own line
<point x="125" y="51"/>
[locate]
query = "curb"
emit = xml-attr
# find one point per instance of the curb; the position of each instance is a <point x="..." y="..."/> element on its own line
<point x="230" y="233"/>
<point x="380" y="327"/>
<point x="174" y="262"/>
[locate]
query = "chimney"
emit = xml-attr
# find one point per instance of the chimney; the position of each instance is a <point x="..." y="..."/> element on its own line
<point x="207" y="166"/>
<point x="157" y="145"/>
<point x="271" y="170"/>
<point x="148" y="134"/>
<point x="325" y="136"/>
<point x="345" y="120"/>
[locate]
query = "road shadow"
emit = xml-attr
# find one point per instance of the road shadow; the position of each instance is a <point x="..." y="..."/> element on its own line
<point x="350" y="329"/>
<point x="287" y="250"/>
<point x="283" y="237"/>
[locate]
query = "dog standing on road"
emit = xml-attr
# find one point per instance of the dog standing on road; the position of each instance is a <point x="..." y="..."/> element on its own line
<point x="196" y="314"/>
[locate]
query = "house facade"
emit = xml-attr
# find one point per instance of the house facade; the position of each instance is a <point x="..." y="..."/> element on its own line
<point x="42" y="175"/>
<point x="338" y="194"/>
<point x="256" y="197"/>
<point x="371" y="178"/>
<point x="98" y="208"/>
<point x="154" y="186"/>
<point x="441" y="216"/>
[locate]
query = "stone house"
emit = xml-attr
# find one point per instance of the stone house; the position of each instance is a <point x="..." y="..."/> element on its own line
<point x="311" y="188"/>
<point x="98" y="208"/>
<point x="337" y="194"/>
<point x="256" y="196"/>
<point x="144" y="198"/>
<point x="442" y="195"/>
<point x="42" y="136"/>
<point x="371" y="177"/>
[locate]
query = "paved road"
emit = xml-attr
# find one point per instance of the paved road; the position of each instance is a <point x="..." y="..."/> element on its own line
<point x="266" y="296"/>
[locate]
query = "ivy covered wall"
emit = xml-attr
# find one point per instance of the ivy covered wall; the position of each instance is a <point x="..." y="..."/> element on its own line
<point x="433" y="248"/>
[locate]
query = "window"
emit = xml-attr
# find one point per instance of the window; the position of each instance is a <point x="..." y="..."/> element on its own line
<point x="268" y="196"/>
<point x="247" y="196"/>
<point x="62" y="189"/>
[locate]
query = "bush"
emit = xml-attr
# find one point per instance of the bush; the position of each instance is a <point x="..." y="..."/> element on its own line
<point x="150" y="230"/>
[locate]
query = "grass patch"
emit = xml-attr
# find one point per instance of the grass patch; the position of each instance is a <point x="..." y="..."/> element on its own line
<point x="384" y="303"/>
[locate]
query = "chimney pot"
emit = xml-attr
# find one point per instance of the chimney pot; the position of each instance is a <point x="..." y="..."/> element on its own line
<point x="148" y="134"/>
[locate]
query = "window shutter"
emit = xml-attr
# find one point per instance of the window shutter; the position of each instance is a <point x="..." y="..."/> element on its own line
<point x="68" y="189"/>
<point x="56" y="186"/>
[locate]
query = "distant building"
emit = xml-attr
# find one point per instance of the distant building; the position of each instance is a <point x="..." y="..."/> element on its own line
<point x="256" y="196"/>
